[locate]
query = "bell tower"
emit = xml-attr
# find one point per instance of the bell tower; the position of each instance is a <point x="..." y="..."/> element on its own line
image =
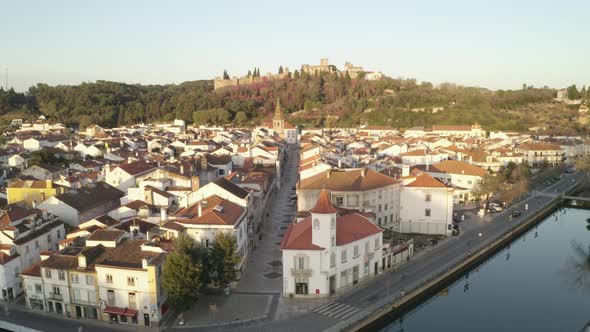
<point x="278" y="123"/>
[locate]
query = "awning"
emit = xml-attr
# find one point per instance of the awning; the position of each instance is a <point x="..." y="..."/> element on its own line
<point x="120" y="311"/>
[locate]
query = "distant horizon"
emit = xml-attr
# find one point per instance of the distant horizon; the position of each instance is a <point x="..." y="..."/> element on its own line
<point x="498" y="45"/>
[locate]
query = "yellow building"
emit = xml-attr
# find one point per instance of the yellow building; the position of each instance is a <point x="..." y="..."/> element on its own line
<point x="31" y="192"/>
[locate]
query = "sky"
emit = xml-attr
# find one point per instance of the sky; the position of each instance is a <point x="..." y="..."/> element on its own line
<point x="493" y="44"/>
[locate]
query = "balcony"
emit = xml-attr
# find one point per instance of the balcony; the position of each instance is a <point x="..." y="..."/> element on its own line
<point x="301" y="273"/>
<point x="54" y="296"/>
<point x="369" y="256"/>
<point x="84" y="302"/>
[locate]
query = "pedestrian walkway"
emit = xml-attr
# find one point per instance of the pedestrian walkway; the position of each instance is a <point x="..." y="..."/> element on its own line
<point x="336" y="310"/>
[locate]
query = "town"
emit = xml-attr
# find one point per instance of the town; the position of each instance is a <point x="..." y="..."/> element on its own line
<point x="96" y="221"/>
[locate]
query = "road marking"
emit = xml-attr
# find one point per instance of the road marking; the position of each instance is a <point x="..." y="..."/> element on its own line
<point x="336" y="310"/>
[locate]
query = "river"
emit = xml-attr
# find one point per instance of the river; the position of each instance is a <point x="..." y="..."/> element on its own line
<point x="530" y="286"/>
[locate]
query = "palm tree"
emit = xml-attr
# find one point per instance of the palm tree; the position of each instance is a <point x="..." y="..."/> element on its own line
<point x="577" y="268"/>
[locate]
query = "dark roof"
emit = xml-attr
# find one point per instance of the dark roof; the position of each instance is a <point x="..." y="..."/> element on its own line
<point x="137" y="167"/>
<point x="105" y="235"/>
<point x="128" y="254"/>
<point x="86" y="198"/>
<point x="45" y="228"/>
<point x="231" y="187"/>
<point x="144" y="226"/>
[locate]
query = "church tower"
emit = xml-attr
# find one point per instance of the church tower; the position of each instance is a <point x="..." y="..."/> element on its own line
<point x="323" y="218"/>
<point x="278" y="123"/>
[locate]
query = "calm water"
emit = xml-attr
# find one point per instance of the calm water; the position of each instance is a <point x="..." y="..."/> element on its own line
<point x="528" y="287"/>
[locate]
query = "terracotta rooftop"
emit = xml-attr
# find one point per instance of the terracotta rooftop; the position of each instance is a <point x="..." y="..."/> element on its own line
<point x="459" y="167"/>
<point x="323" y="205"/>
<point x="427" y="181"/>
<point x="347" y="180"/>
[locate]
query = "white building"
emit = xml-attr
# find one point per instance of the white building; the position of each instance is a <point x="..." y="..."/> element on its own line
<point x="426" y="206"/>
<point x="328" y="252"/>
<point x="358" y="189"/>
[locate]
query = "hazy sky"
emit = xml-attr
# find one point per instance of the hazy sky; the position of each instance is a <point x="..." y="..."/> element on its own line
<point x="494" y="44"/>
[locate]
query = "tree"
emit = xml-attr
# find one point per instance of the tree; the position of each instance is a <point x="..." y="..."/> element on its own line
<point x="182" y="274"/>
<point x="572" y="92"/>
<point x="241" y="117"/>
<point x="280" y="69"/>
<point x="249" y="73"/>
<point x="489" y="185"/>
<point x="225" y="75"/>
<point x="224" y="259"/>
<point x="296" y="74"/>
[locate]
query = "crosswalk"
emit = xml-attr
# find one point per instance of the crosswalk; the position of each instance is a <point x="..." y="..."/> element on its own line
<point x="336" y="310"/>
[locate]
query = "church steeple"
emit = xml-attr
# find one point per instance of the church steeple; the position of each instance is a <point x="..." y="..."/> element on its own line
<point x="278" y="123"/>
<point x="278" y="112"/>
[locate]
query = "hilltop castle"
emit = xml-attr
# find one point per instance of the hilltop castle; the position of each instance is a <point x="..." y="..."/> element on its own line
<point x="220" y="82"/>
<point x="323" y="67"/>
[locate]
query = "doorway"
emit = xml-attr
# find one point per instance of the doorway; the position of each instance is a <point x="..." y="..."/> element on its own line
<point x="146" y="319"/>
<point x="376" y="267"/>
<point x="332" y="284"/>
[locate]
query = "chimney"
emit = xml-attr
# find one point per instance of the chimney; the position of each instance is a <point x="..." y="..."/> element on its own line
<point x="470" y="160"/>
<point x="204" y="162"/>
<point x="328" y="173"/>
<point x="427" y="164"/>
<point x="200" y="209"/>
<point x="339" y="163"/>
<point x="48" y="184"/>
<point x="363" y="172"/>
<point x="181" y="168"/>
<point x="405" y="170"/>
<point x="163" y="214"/>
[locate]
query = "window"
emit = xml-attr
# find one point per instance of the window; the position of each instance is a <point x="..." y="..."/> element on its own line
<point x="343" y="256"/>
<point x="56" y="290"/>
<point x="339" y="200"/>
<point x="333" y="223"/>
<point x="75" y="278"/>
<point x="58" y="234"/>
<point x="89" y="280"/>
<point x="356" y="252"/>
<point x="132" y="301"/>
<point x="428" y="198"/>
<point x="316" y="224"/>
<point x="48" y="273"/>
<point x="427" y="212"/>
<point x="385" y="207"/>
<point x="38" y="288"/>
<point x="332" y="260"/>
<point x="109" y="278"/>
<point x="206" y="243"/>
<point x="379" y="207"/>
<point x="48" y="238"/>
<point x="333" y="240"/>
<point x="367" y="247"/>
<point x="379" y="221"/>
<point x="61" y="275"/>
<point x="385" y="219"/>
<point x="111" y="297"/>
<point x="469" y="182"/>
<point x="377" y="243"/>
<point x="37" y="244"/>
<point x="300" y="263"/>
<point x="131" y="281"/>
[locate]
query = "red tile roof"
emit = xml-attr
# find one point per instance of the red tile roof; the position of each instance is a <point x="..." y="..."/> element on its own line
<point x="323" y="205"/>
<point x="425" y="180"/>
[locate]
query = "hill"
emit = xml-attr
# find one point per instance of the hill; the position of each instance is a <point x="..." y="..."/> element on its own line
<point x="324" y="100"/>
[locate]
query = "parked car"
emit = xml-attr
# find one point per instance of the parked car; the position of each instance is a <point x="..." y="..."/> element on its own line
<point x="516" y="214"/>
<point x="495" y="207"/>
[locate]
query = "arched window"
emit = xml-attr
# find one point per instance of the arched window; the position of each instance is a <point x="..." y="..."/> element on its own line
<point x="316" y="224"/>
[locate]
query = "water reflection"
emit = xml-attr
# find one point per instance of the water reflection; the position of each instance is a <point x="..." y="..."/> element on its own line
<point x="577" y="267"/>
<point x="532" y="285"/>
